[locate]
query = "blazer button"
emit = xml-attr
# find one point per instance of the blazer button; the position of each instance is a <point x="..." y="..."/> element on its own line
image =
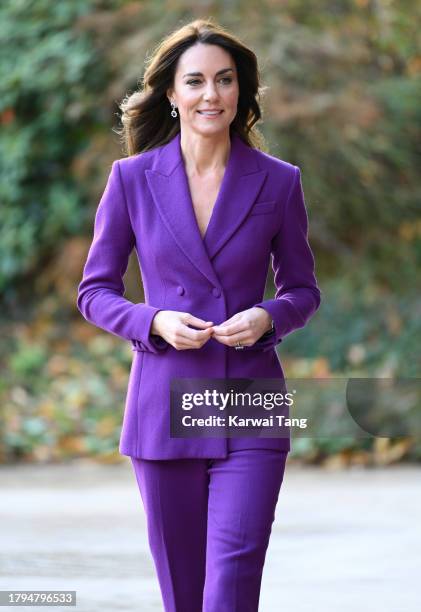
<point x="180" y="290"/>
<point x="216" y="292"/>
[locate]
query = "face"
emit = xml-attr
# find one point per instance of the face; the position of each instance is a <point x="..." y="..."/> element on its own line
<point x="214" y="85"/>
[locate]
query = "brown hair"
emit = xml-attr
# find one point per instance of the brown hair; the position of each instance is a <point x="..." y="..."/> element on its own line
<point x="146" y="119"/>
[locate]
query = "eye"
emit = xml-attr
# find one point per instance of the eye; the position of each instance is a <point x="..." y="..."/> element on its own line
<point x="226" y="79"/>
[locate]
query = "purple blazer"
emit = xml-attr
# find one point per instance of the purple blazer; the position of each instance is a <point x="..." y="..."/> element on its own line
<point x="259" y="214"/>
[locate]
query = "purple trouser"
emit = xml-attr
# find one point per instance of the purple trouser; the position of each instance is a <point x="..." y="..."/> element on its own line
<point x="209" y="523"/>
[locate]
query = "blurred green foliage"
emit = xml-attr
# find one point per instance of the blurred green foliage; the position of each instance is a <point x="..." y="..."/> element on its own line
<point x="50" y="74"/>
<point x="344" y="84"/>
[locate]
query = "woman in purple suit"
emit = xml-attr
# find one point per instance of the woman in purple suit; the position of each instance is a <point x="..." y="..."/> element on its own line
<point x="205" y="209"/>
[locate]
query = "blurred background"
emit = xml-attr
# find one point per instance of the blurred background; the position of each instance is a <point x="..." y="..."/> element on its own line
<point x="343" y="103"/>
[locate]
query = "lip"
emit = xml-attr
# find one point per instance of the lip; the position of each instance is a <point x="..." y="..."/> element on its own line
<point x="215" y="114"/>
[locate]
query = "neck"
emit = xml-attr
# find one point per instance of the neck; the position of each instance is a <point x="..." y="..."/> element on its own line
<point x="205" y="154"/>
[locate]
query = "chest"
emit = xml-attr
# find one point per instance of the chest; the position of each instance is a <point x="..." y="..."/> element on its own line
<point x="204" y="193"/>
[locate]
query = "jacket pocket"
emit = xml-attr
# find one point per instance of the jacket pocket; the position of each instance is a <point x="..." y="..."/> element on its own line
<point x="263" y="208"/>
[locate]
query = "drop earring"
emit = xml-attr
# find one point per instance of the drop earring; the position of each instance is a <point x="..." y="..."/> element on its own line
<point x="173" y="112"/>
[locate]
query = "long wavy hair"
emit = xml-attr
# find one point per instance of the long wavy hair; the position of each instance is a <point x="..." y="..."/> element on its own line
<point x="146" y="120"/>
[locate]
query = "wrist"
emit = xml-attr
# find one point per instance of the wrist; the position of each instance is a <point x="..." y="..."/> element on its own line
<point x="270" y="323"/>
<point x="270" y="329"/>
<point x="155" y="329"/>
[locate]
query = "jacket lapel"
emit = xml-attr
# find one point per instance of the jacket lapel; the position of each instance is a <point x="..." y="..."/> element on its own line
<point x="168" y="183"/>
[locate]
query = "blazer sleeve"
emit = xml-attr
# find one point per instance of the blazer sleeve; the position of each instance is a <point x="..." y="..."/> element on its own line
<point x="101" y="291"/>
<point x="297" y="294"/>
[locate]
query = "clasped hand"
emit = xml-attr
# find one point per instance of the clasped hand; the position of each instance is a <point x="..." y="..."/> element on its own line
<point x="179" y="328"/>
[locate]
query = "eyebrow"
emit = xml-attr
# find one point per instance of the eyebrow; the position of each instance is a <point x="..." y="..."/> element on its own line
<point x="201" y="74"/>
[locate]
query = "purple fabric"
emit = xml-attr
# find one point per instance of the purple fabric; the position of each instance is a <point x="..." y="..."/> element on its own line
<point x="259" y="214"/>
<point x="209" y="524"/>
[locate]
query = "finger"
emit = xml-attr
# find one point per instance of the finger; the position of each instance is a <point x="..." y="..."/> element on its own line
<point x="231" y="319"/>
<point x="192" y="336"/>
<point x="228" y="330"/>
<point x="181" y="342"/>
<point x="183" y="347"/>
<point x="185" y="344"/>
<point x="195" y="334"/>
<point x="192" y="320"/>
<point x="244" y="338"/>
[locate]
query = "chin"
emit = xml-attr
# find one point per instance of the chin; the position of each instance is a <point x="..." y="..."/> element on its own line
<point x="212" y="129"/>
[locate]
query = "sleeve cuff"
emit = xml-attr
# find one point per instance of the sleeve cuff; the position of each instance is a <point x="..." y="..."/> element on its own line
<point x="147" y="341"/>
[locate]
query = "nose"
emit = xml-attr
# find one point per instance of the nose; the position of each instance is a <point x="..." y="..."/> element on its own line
<point x="210" y="92"/>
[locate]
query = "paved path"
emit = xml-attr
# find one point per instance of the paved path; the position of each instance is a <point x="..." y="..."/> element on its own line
<point x="342" y="541"/>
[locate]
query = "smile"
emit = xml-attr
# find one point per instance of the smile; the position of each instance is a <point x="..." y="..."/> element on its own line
<point x="210" y="113"/>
